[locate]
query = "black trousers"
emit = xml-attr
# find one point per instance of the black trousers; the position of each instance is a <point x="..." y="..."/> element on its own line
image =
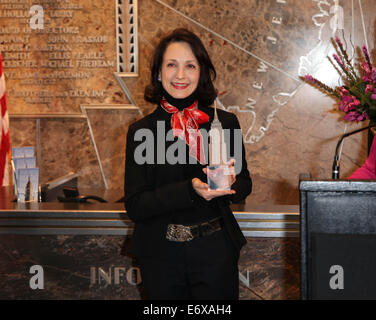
<point x="206" y="268"/>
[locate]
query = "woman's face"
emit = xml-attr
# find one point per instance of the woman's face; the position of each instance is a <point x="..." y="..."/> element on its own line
<point x="180" y="70"/>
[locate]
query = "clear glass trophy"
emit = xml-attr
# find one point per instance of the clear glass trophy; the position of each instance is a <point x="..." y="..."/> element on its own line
<point x="219" y="177"/>
<point x="218" y="171"/>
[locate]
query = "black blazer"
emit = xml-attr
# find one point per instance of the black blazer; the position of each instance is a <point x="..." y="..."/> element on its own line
<point x="153" y="196"/>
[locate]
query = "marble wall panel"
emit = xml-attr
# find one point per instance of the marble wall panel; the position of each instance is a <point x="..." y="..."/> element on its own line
<point x="288" y="126"/>
<point x="23" y="132"/>
<point x="109" y="130"/>
<point x="67" y="145"/>
<point x="69" y="150"/>
<point x="259" y="48"/>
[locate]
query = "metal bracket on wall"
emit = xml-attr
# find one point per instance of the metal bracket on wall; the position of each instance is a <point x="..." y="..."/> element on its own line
<point x="84" y="109"/>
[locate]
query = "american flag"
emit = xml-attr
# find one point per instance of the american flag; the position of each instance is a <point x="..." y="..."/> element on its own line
<point x="4" y="128"/>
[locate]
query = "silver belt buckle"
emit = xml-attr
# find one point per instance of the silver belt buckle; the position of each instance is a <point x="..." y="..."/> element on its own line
<point x="179" y="233"/>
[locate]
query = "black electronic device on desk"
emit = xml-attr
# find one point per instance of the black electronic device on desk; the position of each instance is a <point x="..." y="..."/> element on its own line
<point x="52" y="189"/>
<point x="65" y="189"/>
<point x="71" y="194"/>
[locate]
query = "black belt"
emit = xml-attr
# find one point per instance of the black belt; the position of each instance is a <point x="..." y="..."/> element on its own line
<point x="182" y="233"/>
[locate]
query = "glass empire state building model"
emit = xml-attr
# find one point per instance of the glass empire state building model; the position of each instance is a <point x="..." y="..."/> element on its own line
<point x="218" y="170"/>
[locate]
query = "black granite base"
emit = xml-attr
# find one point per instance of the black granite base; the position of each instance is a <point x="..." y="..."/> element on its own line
<point x="99" y="267"/>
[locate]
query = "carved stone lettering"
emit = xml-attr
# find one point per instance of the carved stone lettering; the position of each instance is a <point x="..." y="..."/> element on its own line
<point x="70" y="58"/>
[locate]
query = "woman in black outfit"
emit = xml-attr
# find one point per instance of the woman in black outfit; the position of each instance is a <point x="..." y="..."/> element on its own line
<point x="186" y="238"/>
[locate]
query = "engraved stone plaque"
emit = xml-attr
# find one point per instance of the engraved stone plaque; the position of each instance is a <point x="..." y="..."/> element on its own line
<point x="58" y="54"/>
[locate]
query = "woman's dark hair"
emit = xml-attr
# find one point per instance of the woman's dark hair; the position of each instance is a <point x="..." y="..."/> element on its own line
<point x="206" y="93"/>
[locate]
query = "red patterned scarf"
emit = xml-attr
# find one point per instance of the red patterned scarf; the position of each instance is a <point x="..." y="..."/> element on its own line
<point x="185" y="123"/>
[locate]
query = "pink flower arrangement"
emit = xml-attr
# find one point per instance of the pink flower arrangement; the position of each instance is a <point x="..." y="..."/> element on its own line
<point x="357" y="97"/>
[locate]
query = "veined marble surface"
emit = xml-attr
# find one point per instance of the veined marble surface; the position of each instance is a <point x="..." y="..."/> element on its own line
<point x="259" y="48"/>
<point x="99" y="267"/>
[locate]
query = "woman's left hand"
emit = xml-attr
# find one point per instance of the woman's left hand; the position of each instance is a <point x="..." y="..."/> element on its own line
<point x="202" y="188"/>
